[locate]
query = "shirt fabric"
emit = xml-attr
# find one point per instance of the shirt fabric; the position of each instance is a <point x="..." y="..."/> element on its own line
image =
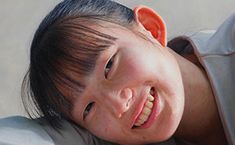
<point x="216" y="52"/>
<point x="19" y="130"/>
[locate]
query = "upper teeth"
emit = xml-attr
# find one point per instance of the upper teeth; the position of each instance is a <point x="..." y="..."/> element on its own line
<point x="144" y="115"/>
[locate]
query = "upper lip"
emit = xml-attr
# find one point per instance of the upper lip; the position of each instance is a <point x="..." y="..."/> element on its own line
<point x="139" y="106"/>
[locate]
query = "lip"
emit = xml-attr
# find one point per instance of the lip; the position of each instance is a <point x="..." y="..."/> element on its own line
<point x="152" y="116"/>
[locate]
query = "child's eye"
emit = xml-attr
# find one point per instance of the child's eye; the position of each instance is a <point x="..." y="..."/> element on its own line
<point x="108" y="67"/>
<point x="87" y="109"/>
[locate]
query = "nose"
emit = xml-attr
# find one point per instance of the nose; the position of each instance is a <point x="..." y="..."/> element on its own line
<point x="118" y="103"/>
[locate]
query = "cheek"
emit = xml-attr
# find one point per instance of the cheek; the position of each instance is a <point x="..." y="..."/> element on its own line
<point x="137" y="69"/>
<point x="172" y="94"/>
<point x="104" y="126"/>
<point x="171" y="81"/>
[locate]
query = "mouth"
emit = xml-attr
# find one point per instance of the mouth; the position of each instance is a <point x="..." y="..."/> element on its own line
<point x="149" y="111"/>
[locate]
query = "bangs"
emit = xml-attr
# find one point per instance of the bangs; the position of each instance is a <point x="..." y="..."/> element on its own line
<point x="79" y="49"/>
<point x="64" y="51"/>
<point x="66" y="56"/>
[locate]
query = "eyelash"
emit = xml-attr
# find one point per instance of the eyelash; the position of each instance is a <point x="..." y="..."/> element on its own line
<point x="106" y="71"/>
<point x="108" y="67"/>
<point x="87" y="109"/>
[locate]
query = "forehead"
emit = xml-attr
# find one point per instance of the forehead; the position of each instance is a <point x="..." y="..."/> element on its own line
<point x="79" y="51"/>
<point x="132" y="32"/>
<point x="116" y="30"/>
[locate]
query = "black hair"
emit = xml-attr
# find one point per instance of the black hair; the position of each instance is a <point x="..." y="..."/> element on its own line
<point x="64" y="50"/>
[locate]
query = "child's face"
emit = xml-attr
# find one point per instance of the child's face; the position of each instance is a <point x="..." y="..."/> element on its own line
<point x="119" y="88"/>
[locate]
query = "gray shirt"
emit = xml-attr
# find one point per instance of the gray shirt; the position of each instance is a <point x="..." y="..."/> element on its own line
<point x="216" y="52"/>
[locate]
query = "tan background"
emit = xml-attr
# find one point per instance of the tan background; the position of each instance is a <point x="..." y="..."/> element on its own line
<point x="20" y="18"/>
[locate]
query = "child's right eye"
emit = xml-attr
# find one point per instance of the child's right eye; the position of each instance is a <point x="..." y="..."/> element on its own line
<point x="87" y="109"/>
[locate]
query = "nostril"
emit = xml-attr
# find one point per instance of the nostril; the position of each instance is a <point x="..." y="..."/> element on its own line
<point x="127" y="104"/>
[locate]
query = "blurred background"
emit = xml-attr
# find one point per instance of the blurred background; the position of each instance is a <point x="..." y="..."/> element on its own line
<point x="20" y="18"/>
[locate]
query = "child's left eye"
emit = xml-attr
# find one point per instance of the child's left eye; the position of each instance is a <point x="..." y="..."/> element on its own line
<point x="108" y="67"/>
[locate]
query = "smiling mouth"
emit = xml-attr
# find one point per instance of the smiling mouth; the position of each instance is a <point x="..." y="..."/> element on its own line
<point x="147" y="112"/>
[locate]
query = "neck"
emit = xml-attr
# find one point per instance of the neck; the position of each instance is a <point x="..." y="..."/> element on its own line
<point x="200" y="123"/>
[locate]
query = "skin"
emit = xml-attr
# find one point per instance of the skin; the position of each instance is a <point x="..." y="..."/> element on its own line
<point x="129" y="81"/>
<point x="140" y="64"/>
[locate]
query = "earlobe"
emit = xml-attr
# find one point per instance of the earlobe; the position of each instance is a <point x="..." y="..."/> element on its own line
<point x="152" y="22"/>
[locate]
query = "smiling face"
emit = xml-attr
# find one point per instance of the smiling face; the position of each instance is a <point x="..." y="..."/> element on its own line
<point x="135" y="94"/>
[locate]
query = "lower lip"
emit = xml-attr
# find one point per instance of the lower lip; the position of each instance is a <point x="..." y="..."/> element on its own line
<point x="154" y="113"/>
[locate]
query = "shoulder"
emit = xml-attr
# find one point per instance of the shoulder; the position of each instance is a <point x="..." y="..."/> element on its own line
<point x="208" y="42"/>
<point x="20" y="130"/>
<point x="71" y="134"/>
<point x="216" y="52"/>
<point x="223" y="40"/>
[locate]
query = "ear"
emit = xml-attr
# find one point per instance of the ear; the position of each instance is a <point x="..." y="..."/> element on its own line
<point x="152" y="22"/>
